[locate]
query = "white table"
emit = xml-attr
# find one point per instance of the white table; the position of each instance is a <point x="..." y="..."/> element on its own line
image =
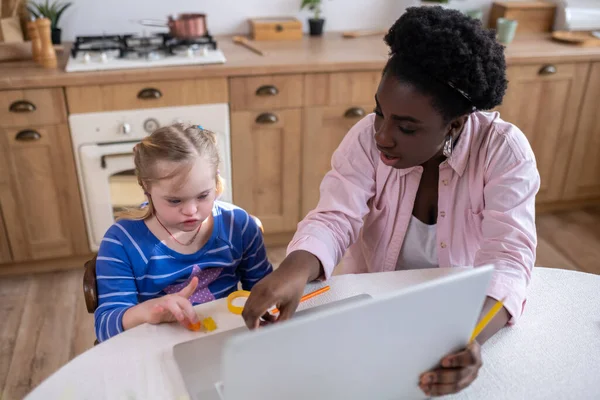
<point x="552" y="353"/>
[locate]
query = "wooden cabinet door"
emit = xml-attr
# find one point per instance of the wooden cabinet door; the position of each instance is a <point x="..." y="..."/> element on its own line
<point x="544" y="101"/>
<point x="583" y="179"/>
<point x="324" y="129"/>
<point x="5" y="253"/>
<point x="265" y="148"/>
<point x="42" y="210"/>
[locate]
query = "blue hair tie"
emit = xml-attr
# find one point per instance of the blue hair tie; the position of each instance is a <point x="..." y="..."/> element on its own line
<point x="200" y="127"/>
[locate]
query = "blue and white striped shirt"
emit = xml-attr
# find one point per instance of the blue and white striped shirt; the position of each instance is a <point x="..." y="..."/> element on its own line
<point x="134" y="266"/>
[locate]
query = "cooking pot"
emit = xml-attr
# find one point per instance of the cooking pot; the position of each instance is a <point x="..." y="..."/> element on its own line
<point x="182" y="26"/>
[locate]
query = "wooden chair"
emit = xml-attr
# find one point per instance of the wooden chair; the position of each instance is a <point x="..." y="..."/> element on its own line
<point x="90" y="287"/>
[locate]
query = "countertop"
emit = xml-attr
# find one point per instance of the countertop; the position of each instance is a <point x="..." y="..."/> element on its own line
<point x="331" y="52"/>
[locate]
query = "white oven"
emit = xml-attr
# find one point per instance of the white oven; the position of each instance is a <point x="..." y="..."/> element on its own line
<point x="103" y="146"/>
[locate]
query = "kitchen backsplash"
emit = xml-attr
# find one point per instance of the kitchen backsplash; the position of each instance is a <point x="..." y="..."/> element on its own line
<point x="92" y="17"/>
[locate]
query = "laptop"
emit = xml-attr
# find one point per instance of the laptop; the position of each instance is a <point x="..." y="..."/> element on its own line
<point x="357" y="348"/>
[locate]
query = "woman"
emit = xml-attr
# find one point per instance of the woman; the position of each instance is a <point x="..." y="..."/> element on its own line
<point x="428" y="180"/>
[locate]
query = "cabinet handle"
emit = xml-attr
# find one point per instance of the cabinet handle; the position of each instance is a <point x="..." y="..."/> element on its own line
<point x="547" y="70"/>
<point x="267" y="118"/>
<point x="28" y="135"/>
<point x="354" y="112"/>
<point x="22" y="106"/>
<point x="267" y="90"/>
<point x="149" y="94"/>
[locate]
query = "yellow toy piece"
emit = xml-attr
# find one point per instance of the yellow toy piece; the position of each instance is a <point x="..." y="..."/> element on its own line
<point x="209" y="324"/>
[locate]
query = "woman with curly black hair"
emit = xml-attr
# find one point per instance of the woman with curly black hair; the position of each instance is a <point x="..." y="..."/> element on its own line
<point x="428" y="180"/>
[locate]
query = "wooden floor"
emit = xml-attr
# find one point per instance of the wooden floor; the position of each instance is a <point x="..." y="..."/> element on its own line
<point x="44" y="322"/>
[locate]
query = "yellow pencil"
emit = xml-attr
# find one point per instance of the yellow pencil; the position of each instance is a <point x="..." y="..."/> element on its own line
<point x="486" y="320"/>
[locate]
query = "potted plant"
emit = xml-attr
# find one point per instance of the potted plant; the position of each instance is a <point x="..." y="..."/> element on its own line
<point x="53" y="11"/>
<point x="316" y="23"/>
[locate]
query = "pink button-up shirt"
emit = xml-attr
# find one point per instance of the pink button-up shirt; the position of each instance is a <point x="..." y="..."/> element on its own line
<point x="486" y="207"/>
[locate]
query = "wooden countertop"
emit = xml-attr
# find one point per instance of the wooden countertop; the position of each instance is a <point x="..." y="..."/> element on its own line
<point x="330" y="53"/>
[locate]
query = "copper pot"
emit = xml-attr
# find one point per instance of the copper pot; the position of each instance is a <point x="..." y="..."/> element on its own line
<point x="182" y="26"/>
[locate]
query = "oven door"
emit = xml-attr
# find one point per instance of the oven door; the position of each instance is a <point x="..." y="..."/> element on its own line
<point x="109" y="185"/>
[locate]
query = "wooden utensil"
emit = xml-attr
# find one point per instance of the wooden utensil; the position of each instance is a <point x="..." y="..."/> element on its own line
<point x="36" y="44"/>
<point x="246" y="43"/>
<point x="577" y="38"/>
<point x="48" y="54"/>
<point x="361" y="33"/>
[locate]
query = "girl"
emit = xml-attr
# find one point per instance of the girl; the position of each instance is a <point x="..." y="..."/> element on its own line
<point x="428" y="180"/>
<point x="186" y="248"/>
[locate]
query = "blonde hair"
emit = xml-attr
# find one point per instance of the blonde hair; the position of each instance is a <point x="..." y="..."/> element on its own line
<point x="178" y="143"/>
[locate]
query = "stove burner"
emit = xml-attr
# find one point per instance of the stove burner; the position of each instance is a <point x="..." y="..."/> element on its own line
<point x="154" y="47"/>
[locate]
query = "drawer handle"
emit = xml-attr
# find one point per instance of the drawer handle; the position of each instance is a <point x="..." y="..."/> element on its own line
<point x="149" y="94"/>
<point x="547" y="70"/>
<point x="267" y="90"/>
<point x="354" y="112"/>
<point x="267" y="118"/>
<point x="22" y="106"/>
<point x="28" y="136"/>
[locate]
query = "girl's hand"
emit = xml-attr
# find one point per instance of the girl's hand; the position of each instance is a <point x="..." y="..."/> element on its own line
<point x="457" y="371"/>
<point x="282" y="288"/>
<point x="173" y="307"/>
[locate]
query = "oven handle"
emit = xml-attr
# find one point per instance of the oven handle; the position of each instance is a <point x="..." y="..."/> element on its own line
<point x="104" y="157"/>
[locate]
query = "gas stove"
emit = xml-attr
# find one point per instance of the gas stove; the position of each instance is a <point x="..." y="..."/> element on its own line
<point x="110" y="52"/>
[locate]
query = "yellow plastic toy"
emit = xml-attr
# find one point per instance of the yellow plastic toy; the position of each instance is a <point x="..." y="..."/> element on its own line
<point x="209" y="324"/>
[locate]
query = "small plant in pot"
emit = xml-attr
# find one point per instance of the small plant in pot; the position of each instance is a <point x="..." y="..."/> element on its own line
<point x="51" y="10"/>
<point x="316" y="23"/>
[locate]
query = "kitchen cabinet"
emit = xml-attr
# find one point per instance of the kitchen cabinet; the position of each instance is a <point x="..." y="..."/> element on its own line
<point x="40" y="203"/>
<point x="324" y="128"/>
<point x="32" y="107"/>
<point x="150" y="94"/>
<point x="335" y="102"/>
<point x="583" y="179"/>
<point x="265" y="153"/>
<point x="5" y="253"/>
<point x="341" y="88"/>
<point x="266" y="92"/>
<point x="544" y="101"/>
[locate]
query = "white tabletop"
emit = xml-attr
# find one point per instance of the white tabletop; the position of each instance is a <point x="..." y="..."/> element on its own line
<point x="553" y="352"/>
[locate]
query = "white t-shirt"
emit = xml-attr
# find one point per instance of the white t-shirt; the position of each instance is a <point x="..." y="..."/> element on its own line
<point x="419" y="249"/>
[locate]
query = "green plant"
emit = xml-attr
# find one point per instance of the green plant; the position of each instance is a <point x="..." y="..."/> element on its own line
<point x="53" y="11"/>
<point x="312" y="5"/>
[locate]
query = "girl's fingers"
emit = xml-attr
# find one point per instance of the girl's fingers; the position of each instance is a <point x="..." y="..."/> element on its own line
<point x="173" y="306"/>
<point x="189" y="290"/>
<point x="187" y="308"/>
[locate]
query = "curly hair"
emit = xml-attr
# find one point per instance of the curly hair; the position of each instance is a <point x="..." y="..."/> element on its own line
<point x="449" y="56"/>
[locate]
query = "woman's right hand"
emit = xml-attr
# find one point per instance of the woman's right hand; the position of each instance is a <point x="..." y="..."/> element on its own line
<point x="282" y="288"/>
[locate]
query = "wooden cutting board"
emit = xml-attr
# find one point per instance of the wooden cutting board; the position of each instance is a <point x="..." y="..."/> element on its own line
<point x="577" y="38"/>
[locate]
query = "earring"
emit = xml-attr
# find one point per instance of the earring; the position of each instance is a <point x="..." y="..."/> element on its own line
<point x="448" y="147"/>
